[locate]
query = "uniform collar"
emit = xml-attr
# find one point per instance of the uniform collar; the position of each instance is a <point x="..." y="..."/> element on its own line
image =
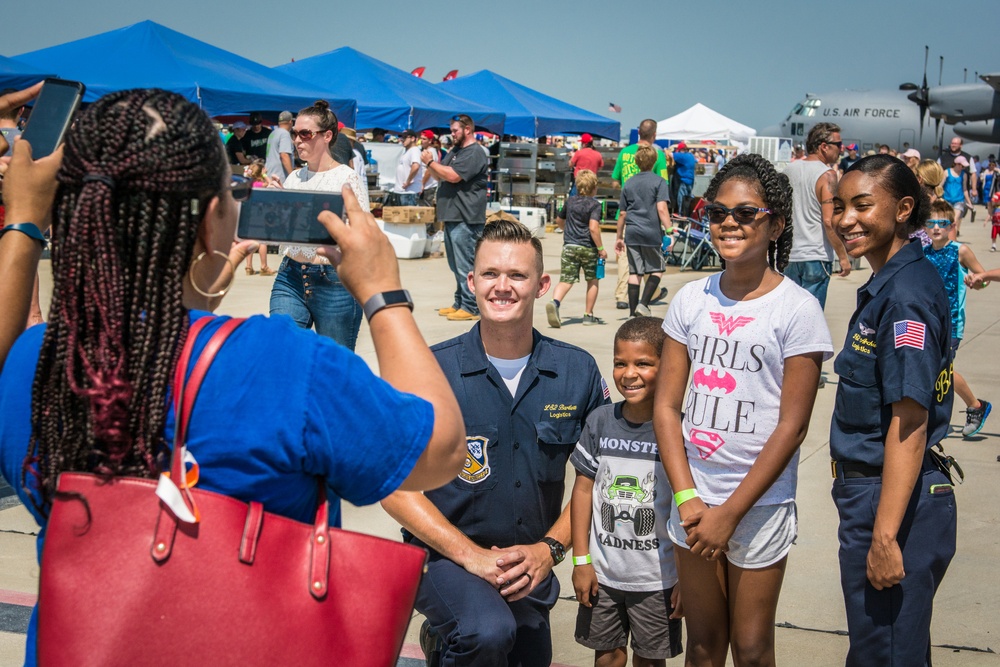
<point x="909" y="253"/>
<point x="474" y="359"/>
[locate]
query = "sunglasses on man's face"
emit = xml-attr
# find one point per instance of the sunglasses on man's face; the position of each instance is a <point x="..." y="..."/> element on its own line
<point x="744" y="215"/>
<point x="304" y="135"/>
<point x="240" y="187"/>
<point x="939" y="222"/>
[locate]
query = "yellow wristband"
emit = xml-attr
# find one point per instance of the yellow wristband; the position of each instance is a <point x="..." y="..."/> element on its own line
<point x="682" y="497"/>
<point x="582" y="560"/>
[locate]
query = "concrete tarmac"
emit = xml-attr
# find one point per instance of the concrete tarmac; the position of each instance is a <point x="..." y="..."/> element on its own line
<point x="811" y="620"/>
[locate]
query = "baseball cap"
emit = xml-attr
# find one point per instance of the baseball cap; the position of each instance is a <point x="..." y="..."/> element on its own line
<point x="852" y="147"/>
<point x="256" y="118"/>
<point x="427" y="134"/>
<point x="962" y="161"/>
<point x="911" y="152"/>
<point x="408" y="133"/>
<point x="284" y="116"/>
<point x="585" y="138"/>
<point x="240" y="125"/>
<point x="682" y="146"/>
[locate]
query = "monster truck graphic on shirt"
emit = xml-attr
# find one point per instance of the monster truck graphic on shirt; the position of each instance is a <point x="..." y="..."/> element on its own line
<point x="624" y="499"/>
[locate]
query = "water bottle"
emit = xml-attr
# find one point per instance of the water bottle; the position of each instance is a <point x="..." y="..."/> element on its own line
<point x="372" y="164"/>
<point x="600" y="267"/>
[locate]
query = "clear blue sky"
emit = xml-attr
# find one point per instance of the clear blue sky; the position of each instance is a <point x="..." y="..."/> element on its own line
<point x="750" y="60"/>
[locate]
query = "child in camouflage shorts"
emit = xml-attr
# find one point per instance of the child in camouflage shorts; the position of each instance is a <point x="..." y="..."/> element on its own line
<point x="580" y="218"/>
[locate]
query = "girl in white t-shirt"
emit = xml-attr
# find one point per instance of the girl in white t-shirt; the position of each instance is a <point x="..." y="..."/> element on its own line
<point x="729" y="440"/>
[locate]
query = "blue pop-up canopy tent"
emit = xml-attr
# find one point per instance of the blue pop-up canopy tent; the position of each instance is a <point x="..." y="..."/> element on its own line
<point x="149" y="55"/>
<point x="529" y="112"/>
<point x="388" y="97"/>
<point x="15" y="74"/>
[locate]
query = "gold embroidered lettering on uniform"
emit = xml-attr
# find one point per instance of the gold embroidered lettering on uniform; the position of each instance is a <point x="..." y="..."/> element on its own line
<point x="477" y="462"/>
<point x="943" y="384"/>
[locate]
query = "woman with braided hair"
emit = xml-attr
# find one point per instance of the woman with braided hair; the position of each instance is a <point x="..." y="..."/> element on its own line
<point x="755" y="341"/>
<point x="143" y="219"/>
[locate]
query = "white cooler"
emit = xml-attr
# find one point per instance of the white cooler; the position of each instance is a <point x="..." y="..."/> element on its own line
<point x="409" y="240"/>
<point x="533" y="218"/>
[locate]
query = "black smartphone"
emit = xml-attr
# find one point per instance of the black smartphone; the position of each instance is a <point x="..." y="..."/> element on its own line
<point x="287" y="216"/>
<point x="51" y="115"/>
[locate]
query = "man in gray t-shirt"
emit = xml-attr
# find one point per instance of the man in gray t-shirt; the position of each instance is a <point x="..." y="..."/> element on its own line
<point x="814" y="241"/>
<point x="461" y="206"/>
<point x="279" y="160"/>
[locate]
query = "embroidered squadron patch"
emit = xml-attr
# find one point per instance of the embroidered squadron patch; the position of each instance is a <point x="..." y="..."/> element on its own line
<point x="477" y="462"/>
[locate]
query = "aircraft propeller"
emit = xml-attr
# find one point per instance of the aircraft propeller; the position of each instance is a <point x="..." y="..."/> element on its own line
<point x="920" y="95"/>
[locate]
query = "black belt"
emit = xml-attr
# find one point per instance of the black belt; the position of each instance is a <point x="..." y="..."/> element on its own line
<point x="852" y="470"/>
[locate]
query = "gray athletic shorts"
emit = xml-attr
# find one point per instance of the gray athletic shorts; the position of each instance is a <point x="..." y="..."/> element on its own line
<point x="764" y="536"/>
<point x="617" y="614"/>
<point x="645" y="259"/>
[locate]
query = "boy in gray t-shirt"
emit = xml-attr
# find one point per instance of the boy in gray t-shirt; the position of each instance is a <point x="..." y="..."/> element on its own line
<point x="643" y="218"/>
<point x="619" y="509"/>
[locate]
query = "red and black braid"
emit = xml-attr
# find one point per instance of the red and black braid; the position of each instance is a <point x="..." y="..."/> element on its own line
<point x="123" y="234"/>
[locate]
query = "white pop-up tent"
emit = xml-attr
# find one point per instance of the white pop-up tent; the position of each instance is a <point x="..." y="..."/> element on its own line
<point x="699" y="123"/>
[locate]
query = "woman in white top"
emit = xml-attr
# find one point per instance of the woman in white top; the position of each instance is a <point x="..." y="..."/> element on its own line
<point x="307" y="287"/>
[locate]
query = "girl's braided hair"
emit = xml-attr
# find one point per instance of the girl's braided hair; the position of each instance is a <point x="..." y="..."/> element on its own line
<point x="138" y="170"/>
<point x="773" y="187"/>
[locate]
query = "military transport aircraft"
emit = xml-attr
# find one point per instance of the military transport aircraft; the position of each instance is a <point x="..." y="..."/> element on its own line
<point x="898" y="118"/>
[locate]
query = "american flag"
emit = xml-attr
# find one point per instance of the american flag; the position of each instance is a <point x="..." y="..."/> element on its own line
<point x="614" y="107"/>
<point x="909" y="334"/>
<point x="605" y="388"/>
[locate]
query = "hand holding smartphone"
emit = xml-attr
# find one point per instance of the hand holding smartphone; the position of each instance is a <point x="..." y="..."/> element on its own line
<point x="51" y="115"/>
<point x="287" y="216"/>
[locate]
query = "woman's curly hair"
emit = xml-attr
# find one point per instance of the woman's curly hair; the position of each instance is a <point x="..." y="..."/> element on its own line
<point x="138" y="170"/>
<point x="773" y="187"/>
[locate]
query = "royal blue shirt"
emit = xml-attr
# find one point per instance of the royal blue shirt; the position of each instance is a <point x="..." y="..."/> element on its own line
<point x="322" y="415"/>
<point x="898" y="346"/>
<point x="684" y="166"/>
<point x="511" y="489"/>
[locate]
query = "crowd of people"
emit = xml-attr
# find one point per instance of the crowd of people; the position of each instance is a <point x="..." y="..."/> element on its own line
<point x="683" y="502"/>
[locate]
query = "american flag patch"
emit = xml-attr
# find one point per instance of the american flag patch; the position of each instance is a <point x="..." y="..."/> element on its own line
<point x="909" y="334"/>
<point x="605" y="388"/>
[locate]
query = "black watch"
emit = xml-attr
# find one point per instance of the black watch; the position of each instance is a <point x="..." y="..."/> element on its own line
<point x="556" y="548"/>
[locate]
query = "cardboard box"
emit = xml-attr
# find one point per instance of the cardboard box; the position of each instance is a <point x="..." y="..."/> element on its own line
<point x="411" y="215"/>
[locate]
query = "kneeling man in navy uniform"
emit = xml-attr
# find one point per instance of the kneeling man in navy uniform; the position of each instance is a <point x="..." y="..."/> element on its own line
<point x="496" y="532"/>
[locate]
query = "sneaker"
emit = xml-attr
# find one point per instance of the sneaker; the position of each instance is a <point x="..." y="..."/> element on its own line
<point x="643" y="310"/>
<point x="462" y="316"/>
<point x="431" y="645"/>
<point x="591" y="320"/>
<point x="552" y="313"/>
<point x="975" y="419"/>
<point x="993" y="248"/>
<point x="445" y="312"/>
<point x="621" y="305"/>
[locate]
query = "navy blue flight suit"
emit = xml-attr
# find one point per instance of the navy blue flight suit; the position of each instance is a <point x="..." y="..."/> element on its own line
<point x="898" y="346"/>
<point x="510" y="492"/>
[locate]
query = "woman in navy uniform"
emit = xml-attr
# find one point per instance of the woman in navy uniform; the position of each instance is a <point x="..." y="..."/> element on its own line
<point x="894" y="401"/>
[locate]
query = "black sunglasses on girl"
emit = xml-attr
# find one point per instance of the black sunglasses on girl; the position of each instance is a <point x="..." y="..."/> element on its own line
<point x="744" y="215"/>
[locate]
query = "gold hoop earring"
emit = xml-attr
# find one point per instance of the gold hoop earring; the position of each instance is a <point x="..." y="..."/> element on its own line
<point x="225" y="289"/>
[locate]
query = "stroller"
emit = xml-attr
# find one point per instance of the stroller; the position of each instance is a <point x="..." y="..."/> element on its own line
<point x="692" y="247"/>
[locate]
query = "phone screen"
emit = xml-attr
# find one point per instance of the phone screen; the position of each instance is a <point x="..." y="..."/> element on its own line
<point x="287" y="216"/>
<point x="51" y="115"/>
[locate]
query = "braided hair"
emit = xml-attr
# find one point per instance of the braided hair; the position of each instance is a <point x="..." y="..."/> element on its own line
<point x="773" y="187"/>
<point x="138" y="168"/>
